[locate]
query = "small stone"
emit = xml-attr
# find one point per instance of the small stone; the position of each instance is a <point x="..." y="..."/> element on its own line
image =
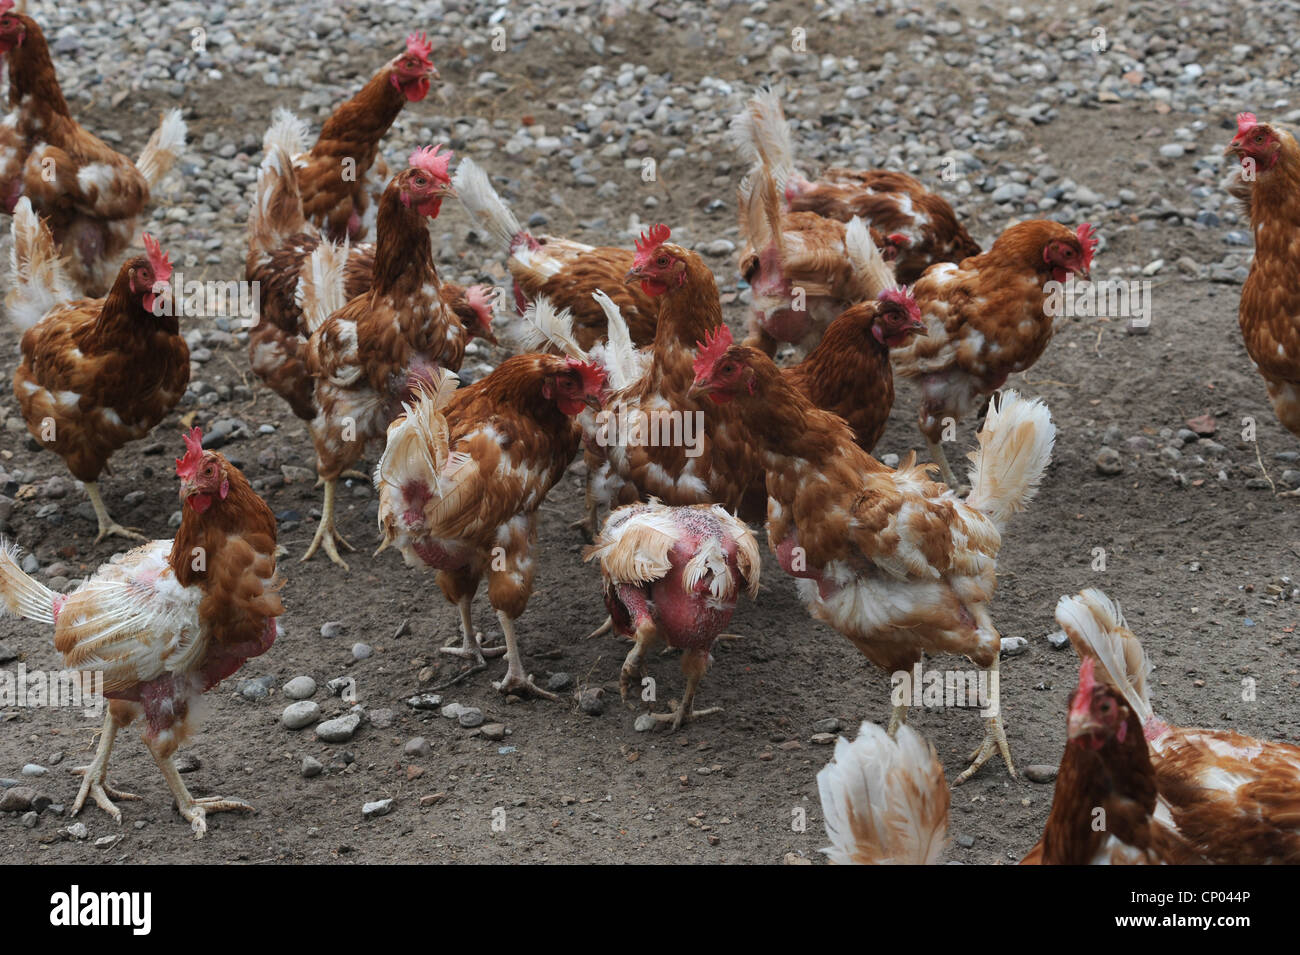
<point x="493" y="731"/>
<point x="1109" y="463"/>
<point x="1171" y="150"/>
<point x="7" y="653"/>
<point x="382" y="719"/>
<point x="559" y="682"/>
<point x="32" y="769"/>
<point x="300" y="688"/>
<point x="830" y="725"/>
<point x="332" y="629"/>
<point x="965" y="841"/>
<point x="1058" y="640"/>
<point x="470" y="717"/>
<point x="645" y="723"/>
<point x="451" y="711"/>
<point x="30" y="820"/>
<point x="425" y="701"/>
<point x="592" y="700"/>
<point x="373" y="810"/>
<point x="187" y="763"/>
<point x="340" y="685"/>
<point x="300" y="714"/>
<point x="311" y="767"/>
<point x="418" y="746"/>
<point x="340" y="729"/>
<point x="17" y="799"/>
<point x="1040" y="773"/>
<point x="361" y="651"/>
<point x="823" y="739"/>
<point x="1204" y="425"/>
<point x="1014" y="646"/>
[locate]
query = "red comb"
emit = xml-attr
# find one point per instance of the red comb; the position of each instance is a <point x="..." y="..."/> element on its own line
<point x="649" y="241"/>
<point x="898" y="239"/>
<point x="188" y="466"/>
<point x="417" y="44"/>
<point x="1087" y="236"/>
<point x="6" y="5"/>
<point x="592" y="375"/>
<point x="428" y="159"/>
<point x="159" y="260"/>
<point x="1245" y="123"/>
<point x="1082" y="699"/>
<point x="902" y="295"/>
<point x="713" y="347"/>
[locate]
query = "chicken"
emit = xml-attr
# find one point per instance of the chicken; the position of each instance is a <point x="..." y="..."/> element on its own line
<point x="985" y="320"/>
<point x="884" y="799"/>
<point x="1104" y="808"/>
<point x="366" y="355"/>
<point x="1234" y="799"/>
<point x="462" y="477"/>
<point x="849" y="372"/>
<point x="674" y="574"/>
<point x="892" y="560"/>
<point x="1269" y="313"/>
<point x="280" y="244"/>
<point x="166" y="622"/>
<point x="335" y="174"/>
<point x="91" y="195"/>
<point x="802" y="269"/>
<point x="921" y="226"/>
<point x="95" y="373"/>
<point x="565" y="272"/>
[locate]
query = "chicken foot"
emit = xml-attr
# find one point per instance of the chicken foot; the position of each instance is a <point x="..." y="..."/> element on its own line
<point x="325" y="533"/>
<point x="107" y="525"/>
<point x="194" y="811"/>
<point x="694" y="663"/>
<point x="471" y="647"/>
<point x="94" y="782"/>
<point x="940" y="460"/>
<point x="995" y="734"/>
<point x="516" y="680"/>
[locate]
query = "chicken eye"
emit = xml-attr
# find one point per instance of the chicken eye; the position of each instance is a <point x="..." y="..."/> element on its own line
<point x="662" y="261"/>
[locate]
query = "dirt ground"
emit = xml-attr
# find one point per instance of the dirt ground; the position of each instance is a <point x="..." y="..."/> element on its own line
<point x="1191" y="564"/>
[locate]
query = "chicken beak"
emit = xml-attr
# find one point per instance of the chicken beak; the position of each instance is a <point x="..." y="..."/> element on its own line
<point x="592" y="402"/>
<point x="634" y="274"/>
<point x="1082" y="725"/>
<point x="698" y="388"/>
<point x="1085" y="274"/>
<point x="918" y="327"/>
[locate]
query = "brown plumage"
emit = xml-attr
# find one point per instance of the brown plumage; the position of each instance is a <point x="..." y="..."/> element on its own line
<point x="334" y="173"/>
<point x="560" y="270"/>
<point x="462" y="477"/>
<point x="90" y="194"/>
<point x="1269" y="313"/>
<point x="1104" y="808"/>
<point x="166" y="622"/>
<point x="95" y="373"/>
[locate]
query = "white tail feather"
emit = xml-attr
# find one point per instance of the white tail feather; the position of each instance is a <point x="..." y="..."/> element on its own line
<point x="21" y="594"/>
<point x="1015" y="449"/>
<point x="884" y="800"/>
<point x="1096" y="628"/>
<point x="872" y="274"/>
<point x="163" y="148"/>
<point x="320" y="291"/>
<point x="622" y="362"/>
<point x="483" y="204"/>
<point x="761" y="135"/>
<point x="286" y="131"/>
<point x="542" y="325"/>
<point x="40" y="281"/>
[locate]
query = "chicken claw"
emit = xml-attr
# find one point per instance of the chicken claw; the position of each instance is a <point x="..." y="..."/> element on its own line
<point x="196" y="813"/>
<point x="325" y="532"/>
<point x="94" y="781"/>
<point x="108" y="526"/>
<point x="995" y="741"/>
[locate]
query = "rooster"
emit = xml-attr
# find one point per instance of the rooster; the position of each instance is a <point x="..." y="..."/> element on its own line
<point x="1105" y="777"/>
<point x="91" y="195"/>
<point x="95" y="373"/>
<point x="673" y="574"/>
<point x="280" y="244"/>
<point x="1269" y="313"/>
<point x="985" y="320"/>
<point x="367" y="354"/>
<point x="884" y="799"/>
<point x="889" y="558"/>
<point x="339" y="172"/>
<point x="462" y="476"/>
<point x="921" y="226"/>
<point x="1234" y="799"/>
<point x="565" y="272"/>
<point x="166" y="622"/>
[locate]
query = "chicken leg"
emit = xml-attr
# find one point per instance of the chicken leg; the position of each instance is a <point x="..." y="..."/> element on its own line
<point x="516" y="680"/>
<point x="471" y="647"/>
<point x="194" y="811"/>
<point x="995" y="735"/>
<point x="94" y="782"/>
<point x="694" y="663"/>
<point x="940" y="459"/>
<point x="325" y="533"/>
<point x="634" y="664"/>
<point x="107" y="525"/>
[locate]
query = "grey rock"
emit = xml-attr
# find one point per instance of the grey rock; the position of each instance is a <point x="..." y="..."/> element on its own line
<point x="1109" y="463"/>
<point x="830" y="725"/>
<point x="311" y="767"/>
<point x="559" y="682"/>
<point x="645" y="723"/>
<point x="332" y="628"/>
<point x="1040" y="773"/>
<point x="300" y="688"/>
<point x="425" y="701"/>
<point x="32" y="769"/>
<point x="300" y="714"/>
<point x="1014" y="646"/>
<point x="362" y="651"/>
<point x="494" y="731"/>
<point x="373" y="810"/>
<point x="1058" y="640"/>
<point x="419" y="746"/>
<point x="17" y="799"/>
<point x="469" y="717"/>
<point x="340" y="729"/>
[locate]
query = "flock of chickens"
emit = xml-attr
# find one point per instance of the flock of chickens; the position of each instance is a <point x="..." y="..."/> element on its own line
<point x="862" y="273"/>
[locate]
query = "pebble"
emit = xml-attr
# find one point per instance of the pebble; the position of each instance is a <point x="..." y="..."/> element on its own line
<point x="33" y="769"/>
<point x="1014" y="646"/>
<point x="7" y="653"/>
<point x="17" y="799"/>
<point x="331" y="629"/>
<point x="1109" y="462"/>
<point x="341" y="729"/>
<point x="373" y="810"/>
<point x="470" y="717"/>
<point x="1058" y="640"/>
<point x="592" y="700"/>
<point x="830" y="725"/>
<point x="1040" y="773"/>
<point x="417" y="746"/>
<point x="451" y="711"/>
<point x="491" y="731"/>
<point x="645" y="723"/>
<point x="559" y="682"/>
<point x="300" y="688"/>
<point x="425" y="701"/>
<point x="361" y="651"/>
<point x="311" y="767"/>
<point x="300" y="714"/>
